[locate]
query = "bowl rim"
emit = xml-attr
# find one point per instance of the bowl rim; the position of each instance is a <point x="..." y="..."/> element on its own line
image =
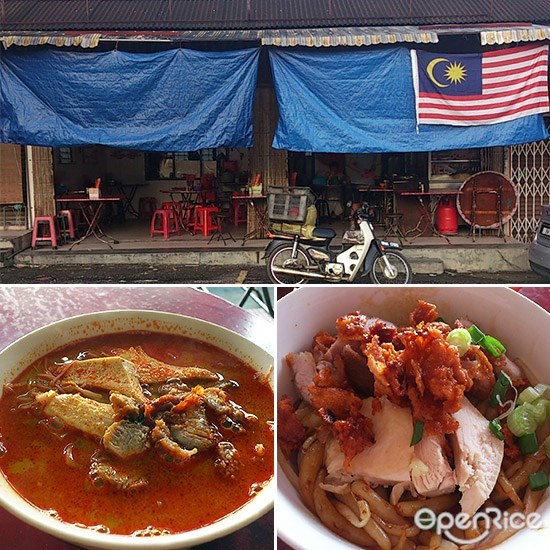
<point x="237" y="519"/>
<point x="292" y="514"/>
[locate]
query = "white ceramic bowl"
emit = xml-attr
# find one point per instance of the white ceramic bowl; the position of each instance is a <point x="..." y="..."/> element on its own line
<point x="16" y="357"/>
<point x="521" y="325"/>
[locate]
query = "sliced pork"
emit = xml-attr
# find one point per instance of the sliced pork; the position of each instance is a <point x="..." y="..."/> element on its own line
<point x="478" y="457"/>
<point x="126" y="439"/>
<point x="302" y="366"/>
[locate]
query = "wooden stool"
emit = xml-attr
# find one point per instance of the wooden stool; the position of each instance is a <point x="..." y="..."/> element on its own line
<point x="168" y="223"/>
<point x="147" y="207"/>
<point x="44" y="230"/>
<point x="66" y="222"/>
<point x="203" y="220"/>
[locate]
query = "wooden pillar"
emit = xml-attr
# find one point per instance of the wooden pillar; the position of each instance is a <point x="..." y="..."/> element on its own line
<point x="40" y="181"/>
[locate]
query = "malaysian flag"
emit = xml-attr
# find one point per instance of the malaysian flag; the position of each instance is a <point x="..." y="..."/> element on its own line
<point x="475" y="89"/>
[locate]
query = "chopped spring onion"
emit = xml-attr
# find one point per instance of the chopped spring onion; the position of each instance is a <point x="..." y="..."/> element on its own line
<point x="528" y="444"/>
<point x="539" y="410"/>
<point x="546" y="446"/>
<point x="488" y="343"/>
<point x="496" y="428"/>
<point x="499" y="389"/>
<point x="460" y="338"/>
<point x="493" y="346"/>
<point x="417" y="432"/>
<point x="521" y="421"/>
<point x="538" y="481"/>
<point x="543" y="390"/>
<point x="476" y="334"/>
<point x="528" y="395"/>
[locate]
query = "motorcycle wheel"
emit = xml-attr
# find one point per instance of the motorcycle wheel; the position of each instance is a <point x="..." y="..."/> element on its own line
<point x="403" y="271"/>
<point x="282" y="257"/>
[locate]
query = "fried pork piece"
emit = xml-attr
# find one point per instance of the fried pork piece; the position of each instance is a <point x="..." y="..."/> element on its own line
<point x="152" y="371"/>
<point x="123" y="478"/>
<point x="126" y="439"/>
<point x="423" y="313"/>
<point x="290" y="432"/>
<point x="84" y="414"/>
<point x="106" y="373"/>
<point x="388" y="460"/>
<point x="478" y="457"/>
<point x="480" y="371"/>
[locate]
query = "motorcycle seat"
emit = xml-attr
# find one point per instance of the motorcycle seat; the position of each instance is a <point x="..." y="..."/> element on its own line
<point x="324" y="233"/>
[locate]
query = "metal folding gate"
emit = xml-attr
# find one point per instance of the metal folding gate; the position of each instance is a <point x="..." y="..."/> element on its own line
<point x="529" y="166"/>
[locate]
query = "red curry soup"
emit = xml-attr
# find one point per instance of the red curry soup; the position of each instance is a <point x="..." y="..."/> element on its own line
<point x="138" y="433"/>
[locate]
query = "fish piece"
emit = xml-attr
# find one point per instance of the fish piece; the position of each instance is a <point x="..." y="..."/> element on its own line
<point x="302" y="365"/>
<point x="431" y="473"/>
<point x="124" y="479"/>
<point x="388" y="460"/>
<point x="107" y="373"/>
<point x="193" y="430"/>
<point x="478" y="456"/>
<point x="151" y="371"/>
<point x="161" y="437"/>
<point x="125" y="439"/>
<point x="79" y="412"/>
<point x="124" y="406"/>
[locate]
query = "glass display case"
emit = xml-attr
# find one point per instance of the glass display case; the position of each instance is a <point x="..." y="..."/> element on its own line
<point x="449" y="169"/>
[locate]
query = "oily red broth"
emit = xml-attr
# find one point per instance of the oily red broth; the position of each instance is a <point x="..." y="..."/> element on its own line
<point x="49" y="466"/>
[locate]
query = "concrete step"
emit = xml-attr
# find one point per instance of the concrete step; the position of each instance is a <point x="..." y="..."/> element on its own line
<point x="427" y="266"/>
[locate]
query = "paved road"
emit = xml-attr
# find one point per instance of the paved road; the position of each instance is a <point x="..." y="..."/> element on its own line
<point x="144" y="274"/>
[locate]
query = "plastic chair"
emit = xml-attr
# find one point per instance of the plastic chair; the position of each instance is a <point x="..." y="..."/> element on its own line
<point x="168" y="223"/>
<point x="147" y="207"/>
<point x="240" y="209"/>
<point x="203" y="220"/>
<point x="44" y="230"/>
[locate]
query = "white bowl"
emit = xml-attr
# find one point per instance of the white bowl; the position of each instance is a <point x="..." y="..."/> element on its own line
<point x="522" y="326"/>
<point x="19" y="355"/>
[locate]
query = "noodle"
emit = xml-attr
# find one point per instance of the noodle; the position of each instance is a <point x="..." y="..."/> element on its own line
<point x="377" y="504"/>
<point x="408" y="508"/>
<point x="309" y="468"/>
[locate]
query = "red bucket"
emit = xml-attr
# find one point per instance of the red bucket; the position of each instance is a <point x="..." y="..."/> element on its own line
<point x="447" y="217"/>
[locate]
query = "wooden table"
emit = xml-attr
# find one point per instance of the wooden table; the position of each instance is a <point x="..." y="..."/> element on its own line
<point x="427" y="208"/>
<point x="91" y="211"/>
<point x="258" y="224"/>
<point x="25" y="308"/>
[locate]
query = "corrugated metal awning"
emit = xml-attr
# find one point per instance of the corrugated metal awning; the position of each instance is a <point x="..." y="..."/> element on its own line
<point x="346" y="36"/>
<point x="82" y="40"/>
<point x="509" y="35"/>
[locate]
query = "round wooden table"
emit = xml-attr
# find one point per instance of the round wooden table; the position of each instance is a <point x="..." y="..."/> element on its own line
<point x="25" y="308"/>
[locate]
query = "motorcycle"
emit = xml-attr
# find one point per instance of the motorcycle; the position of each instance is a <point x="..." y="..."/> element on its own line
<point x="293" y="259"/>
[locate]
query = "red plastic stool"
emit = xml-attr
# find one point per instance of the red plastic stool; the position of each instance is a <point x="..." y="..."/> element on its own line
<point x="44" y="229"/>
<point x="168" y="223"/>
<point x="147" y="207"/>
<point x="66" y="223"/>
<point x="204" y="221"/>
<point x="177" y="207"/>
<point x="239" y="211"/>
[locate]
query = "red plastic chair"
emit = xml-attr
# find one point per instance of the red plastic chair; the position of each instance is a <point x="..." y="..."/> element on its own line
<point x="66" y="224"/>
<point x="164" y="222"/>
<point x="203" y="220"/>
<point x="44" y="230"/>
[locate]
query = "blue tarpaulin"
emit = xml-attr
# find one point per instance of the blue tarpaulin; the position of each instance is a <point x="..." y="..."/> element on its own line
<point x="363" y="101"/>
<point x="177" y="100"/>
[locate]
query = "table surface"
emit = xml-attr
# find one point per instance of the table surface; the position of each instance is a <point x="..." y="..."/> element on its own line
<point x="429" y="193"/>
<point x="249" y="197"/>
<point x="26" y="308"/>
<point x="71" y="198"/>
